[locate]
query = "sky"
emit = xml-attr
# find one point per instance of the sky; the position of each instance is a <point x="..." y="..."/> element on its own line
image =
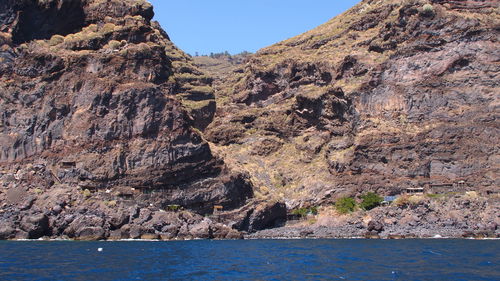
<point x="241" y="25"/>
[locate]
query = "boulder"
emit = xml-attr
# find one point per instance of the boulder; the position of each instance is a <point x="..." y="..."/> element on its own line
<point x="117" y="220"/>
<point x="171" y="229"/>
<point x="267" y="215"/>
<point x="375" y="226"/>
<point x="36" y="226"/>
<point x="117" y="235"/>
<point x="90" y="234"/>
<point x="144" y="216"/>
<point x="306" y="232"/>
<point x="201" y="230"/>
<point x="166" y="236"/>
<point x="136" y="231"/>
<point x="220" y="231"/>
<point x="234" y="234"/>
<point x="6" y="231"/>
<point x="80" y="222"/>
<point x="22" y="235"/>
<point x="134" y="212"/>
<point x="56" y="210"/>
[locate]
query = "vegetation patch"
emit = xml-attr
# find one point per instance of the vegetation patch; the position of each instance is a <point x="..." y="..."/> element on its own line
<point x="427" y="10"/>
<point x="435" y="196"/>
<point x="56" y="40"/>
<point x="87" y="193"/>
<point x="173" y="208"/>
<point x="370" y="201"/>
<point x="345" y="205"/>
<point x="303" y="212"/>
<point x="114" y="45"/>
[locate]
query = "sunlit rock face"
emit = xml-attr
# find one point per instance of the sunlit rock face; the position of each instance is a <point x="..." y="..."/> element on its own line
<point x="387" y="96"/>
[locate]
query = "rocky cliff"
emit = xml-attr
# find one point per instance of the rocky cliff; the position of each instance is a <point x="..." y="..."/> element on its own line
<point x="99" y="126"/>
<point x="109" y="131"/>
<point x="387" y="97"/>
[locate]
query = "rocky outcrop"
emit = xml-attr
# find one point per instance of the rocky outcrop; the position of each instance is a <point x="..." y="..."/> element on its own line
<point x="405" y="102"/>
<point x="388" y="96"/>
<point x="99" y="112"/>
<point x="256" y="215"/>
<point x="456" y="216"/>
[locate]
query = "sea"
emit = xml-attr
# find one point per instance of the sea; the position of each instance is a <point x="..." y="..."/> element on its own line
<point x="349" y="259"/>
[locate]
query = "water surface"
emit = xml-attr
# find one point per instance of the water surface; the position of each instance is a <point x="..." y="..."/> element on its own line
<point x="252" y="260"/>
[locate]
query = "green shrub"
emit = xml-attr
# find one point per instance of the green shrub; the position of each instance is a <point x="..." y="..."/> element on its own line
<point x="435" y="196"/>
<point x="173" y="208"/>
<point x="303" y="212"/>
<point x="108" y="27"/>
<point x="402" y="201"/>
<point x="56" y="40"/>
<point x="345" y="205"/>
<point x="370" y="201"/>
<point x="300" y="212"/>
<point x="87" y="193"/>
<point x="114" y="45"/>
<point x="110" y="203"/>
<point x="428" y="10"/>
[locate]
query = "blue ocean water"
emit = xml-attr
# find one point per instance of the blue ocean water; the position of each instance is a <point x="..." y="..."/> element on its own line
<point x="252" y="260"/>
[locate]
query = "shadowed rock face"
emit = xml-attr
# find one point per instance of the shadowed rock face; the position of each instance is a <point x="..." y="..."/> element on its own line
<point x="95" y="96"/>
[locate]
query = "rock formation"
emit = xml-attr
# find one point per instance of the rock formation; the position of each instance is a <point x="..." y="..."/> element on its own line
<point x="108" y="131"/>
<point x="99" y="125"/>
<point x="388" y="96"/>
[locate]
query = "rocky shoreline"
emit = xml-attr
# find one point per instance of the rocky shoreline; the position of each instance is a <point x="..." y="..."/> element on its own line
<point x="457" y="216"/>
<point x="355" y="233"/>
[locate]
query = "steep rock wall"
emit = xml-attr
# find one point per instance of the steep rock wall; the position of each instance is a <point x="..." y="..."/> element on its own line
<point x="388" y="96"/>
<point x="95" y="108"/>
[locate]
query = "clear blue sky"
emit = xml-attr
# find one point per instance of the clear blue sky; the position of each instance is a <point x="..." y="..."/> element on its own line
<point x="241" y="25"/>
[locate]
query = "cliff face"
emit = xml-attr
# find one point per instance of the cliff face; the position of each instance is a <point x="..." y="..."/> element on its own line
<point x="104" y="124"/>
<point x="98" y="106"/>
<point x="388" y="96"/>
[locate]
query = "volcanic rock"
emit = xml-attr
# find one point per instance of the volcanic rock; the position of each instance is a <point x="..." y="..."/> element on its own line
<point x="99" y="109"/>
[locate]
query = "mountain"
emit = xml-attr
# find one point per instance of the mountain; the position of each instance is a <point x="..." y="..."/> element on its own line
<point x="109" y="131"/>
<point x="99" y="127"/>
<point x="389" y="97"/>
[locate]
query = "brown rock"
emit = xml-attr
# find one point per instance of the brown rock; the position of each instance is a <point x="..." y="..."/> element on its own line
<point x="167" y="237"/>
<point x="150" y="236"/>
<point x="118" y="235"/>
<point x="234" y="235"/>
<point x="372" y="235"/>
<point x="375" y="226"/>
<point x="201" y="230"/>
<point x="136" y="231"/>
<point x="90" y="234"/>
<point x="6" y="231"/>
<point x="36" y="226"/>
<point x="399" y="120"/>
